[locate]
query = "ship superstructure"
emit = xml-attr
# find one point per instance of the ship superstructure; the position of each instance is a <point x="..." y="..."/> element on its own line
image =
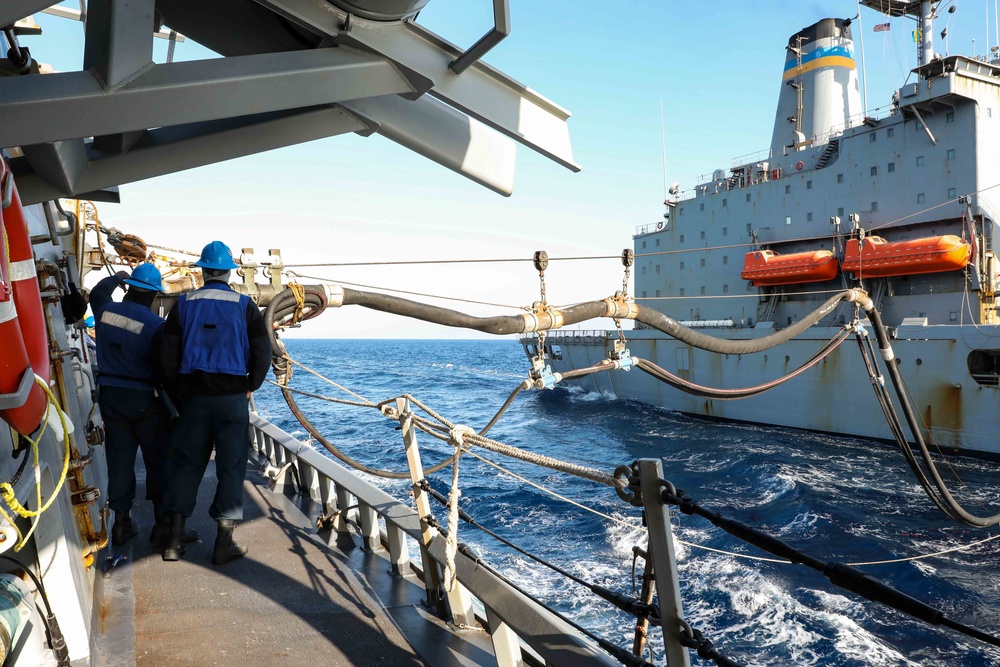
<point x="898" y="204"/>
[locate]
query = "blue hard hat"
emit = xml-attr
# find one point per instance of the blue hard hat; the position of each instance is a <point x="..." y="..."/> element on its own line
<point x="89" y="322"/>
<point x="146" y="276"/>
<point x="216" y="255"/>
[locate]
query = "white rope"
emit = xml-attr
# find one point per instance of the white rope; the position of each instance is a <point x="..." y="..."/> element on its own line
<point x="457" y="438"/>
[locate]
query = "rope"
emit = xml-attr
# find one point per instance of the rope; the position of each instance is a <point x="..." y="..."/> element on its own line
<point x="451" y="540"/>
<point x="7" y="491"/>
<point x="300" y="301"/>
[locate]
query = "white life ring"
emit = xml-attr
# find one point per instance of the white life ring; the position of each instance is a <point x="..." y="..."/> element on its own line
<point x="800" y="165"/>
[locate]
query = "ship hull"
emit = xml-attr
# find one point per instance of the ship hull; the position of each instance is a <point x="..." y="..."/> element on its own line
<point x="960" y="413"/>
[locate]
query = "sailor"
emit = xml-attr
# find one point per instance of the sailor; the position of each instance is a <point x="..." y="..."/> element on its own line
<point x="216" y="352"/>
<point x="132" y="405"/>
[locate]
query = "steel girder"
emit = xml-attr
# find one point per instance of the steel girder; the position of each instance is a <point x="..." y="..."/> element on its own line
<point x="12" y="11"/>
<point x="171" y="149"/>
<point x="480" y="91"/>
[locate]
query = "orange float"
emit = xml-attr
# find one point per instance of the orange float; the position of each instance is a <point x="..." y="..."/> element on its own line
<point x="766" y="267"/>
<point x="876" y="257"/>
<point x="23" y="337"/>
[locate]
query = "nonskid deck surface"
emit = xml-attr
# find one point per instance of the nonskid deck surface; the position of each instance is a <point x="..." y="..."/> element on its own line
<point x="292" y="601"/>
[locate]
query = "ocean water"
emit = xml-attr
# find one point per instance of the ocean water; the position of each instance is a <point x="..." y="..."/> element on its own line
<point x="841" y="499"/>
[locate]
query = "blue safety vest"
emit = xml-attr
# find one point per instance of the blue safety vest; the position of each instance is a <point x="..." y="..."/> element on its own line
<point x="125" y="345"/>
<point x="213" y="323"/>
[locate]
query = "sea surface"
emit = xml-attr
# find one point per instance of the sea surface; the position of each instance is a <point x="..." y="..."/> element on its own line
<point x="842" y="499"/>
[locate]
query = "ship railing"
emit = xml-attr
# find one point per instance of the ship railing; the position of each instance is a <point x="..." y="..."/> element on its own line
<point x="520" y="628"/>
<point x="594" y="336"/>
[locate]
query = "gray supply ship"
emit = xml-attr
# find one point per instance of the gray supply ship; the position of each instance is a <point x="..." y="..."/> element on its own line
<point x="342" y="572"/>
<point x="897" y="203"/>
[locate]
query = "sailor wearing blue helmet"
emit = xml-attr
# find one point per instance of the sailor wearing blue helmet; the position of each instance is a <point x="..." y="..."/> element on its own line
<point x="131" y="401"/>
<point x="215" y="352"/>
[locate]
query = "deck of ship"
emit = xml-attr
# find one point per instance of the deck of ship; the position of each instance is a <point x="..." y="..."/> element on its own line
<point x="294" y="600"/>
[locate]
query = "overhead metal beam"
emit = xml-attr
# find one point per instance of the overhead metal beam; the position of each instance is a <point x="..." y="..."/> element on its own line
<point x="62" y="163"/>
<point x="450" y="138"/>
<point x="42" y="109"/>
<point x="167" y="150"/>
<point x="12" y="11"/>
<point x="119" y="39"/>
<point x="480" y="91"/>
<point x="77" y="15"/>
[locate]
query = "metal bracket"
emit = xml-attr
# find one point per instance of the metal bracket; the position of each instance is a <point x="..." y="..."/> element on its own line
<point x="501" y="28"/>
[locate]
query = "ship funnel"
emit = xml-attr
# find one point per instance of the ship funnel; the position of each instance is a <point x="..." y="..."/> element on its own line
<point x="819" y="87"/>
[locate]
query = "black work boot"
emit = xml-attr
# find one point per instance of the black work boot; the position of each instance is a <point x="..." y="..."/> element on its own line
<point x="124" y="529"/>
<point x="175" y="538"/>
<point x="226" y="549"/>
<point x="161" y="530"/>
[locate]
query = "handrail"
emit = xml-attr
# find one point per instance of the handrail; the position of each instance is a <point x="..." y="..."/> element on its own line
<point x="508" y="609"/>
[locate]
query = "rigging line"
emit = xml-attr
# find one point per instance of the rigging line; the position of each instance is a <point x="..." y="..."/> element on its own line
<point x="329" y="399"/>
<point x="340" y="387"/>
<point x="931" y="208"/>
<point x="945" y="552"/>
<point x="451" y="261"/>
<point x="399" y="291"/>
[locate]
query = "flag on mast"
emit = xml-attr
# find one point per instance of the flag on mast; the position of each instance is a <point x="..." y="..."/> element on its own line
<point x="882" y="27"/>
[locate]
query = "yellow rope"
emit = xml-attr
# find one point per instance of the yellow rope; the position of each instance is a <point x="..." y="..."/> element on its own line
<point x="7" y="491"/>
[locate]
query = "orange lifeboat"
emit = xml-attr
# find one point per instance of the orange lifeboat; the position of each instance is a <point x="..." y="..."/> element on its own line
<point x="23" y="337"/>
<point x="766" y="267"/>
<point x="877" y="257"/>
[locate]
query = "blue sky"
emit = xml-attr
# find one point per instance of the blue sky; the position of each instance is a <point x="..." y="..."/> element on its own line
<point x="715" y="66"/>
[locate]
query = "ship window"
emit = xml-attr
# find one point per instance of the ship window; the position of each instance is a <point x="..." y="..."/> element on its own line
<point x="725" y="231"/>
<point x="725" y="259"/>
<point x="920" y="197"/>
<point x="920" y="160"/>
<point x="643" y="244"/>
<point x="725" y="289"/>
<point x="657" y="268"/>
<point x="809" y="217"/>
<point x="682" y="238"/>
<point x="890" y="131"/>
<point x="658" y="240"/>
<point x="951" y="193"/>
<point x="644" y="270"/>
<point x="682" y="266"/>
<point x="840" y="178"/>
<point x="643" y="294"/>
<point x="953" y="316"/>
<point x="874" y="207"/>
<point x="840" y="211"/>
<point x="682" y="292"/>
<point x="921" y="314"/>
<point x="658" y="294"/>
<point x="872" y="137"/>
<point x="891" y="167"/>
<point x="874" y="171"/>
<point x="984" y="366"/>
<point x="949" y="117"/>
<point x="702" y="289"/>
<point x="748" y="196"/>
<point x="701" y="207"/>
<point x="702" y="236"/>
<point x="951" y="153"/>
<point x="702" y="262"/>
<point x="788" y="189"/>
<point x="788" y="219"/>
<point x="725" y="203"/>
<point x="809" y="185"/>
<point x="680" y="211"/>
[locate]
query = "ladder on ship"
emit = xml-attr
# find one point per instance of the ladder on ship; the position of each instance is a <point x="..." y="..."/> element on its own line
<point x="829" y="154"/>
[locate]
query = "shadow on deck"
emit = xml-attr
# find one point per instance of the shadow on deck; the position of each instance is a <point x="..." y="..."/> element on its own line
<point x="294" y="600"/>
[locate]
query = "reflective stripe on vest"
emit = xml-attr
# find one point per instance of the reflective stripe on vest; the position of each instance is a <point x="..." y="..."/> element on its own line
<point x="121" y="321"/>
<point x="215" y="295"/>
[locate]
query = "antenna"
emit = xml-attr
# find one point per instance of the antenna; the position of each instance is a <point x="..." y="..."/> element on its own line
<point x="864" y="70"/>
<point x="663" y="146"/>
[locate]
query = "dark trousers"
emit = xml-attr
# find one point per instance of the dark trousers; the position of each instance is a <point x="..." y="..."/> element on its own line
<point x="133" y="419"/>
<point x="207" y="421"/>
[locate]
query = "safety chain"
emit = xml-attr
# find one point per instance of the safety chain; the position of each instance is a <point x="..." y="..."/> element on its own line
<point x="541" y="261"/>
<point x="692" y="638"/>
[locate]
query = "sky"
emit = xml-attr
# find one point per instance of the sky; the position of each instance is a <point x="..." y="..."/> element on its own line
<point x="714" y="69"/>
